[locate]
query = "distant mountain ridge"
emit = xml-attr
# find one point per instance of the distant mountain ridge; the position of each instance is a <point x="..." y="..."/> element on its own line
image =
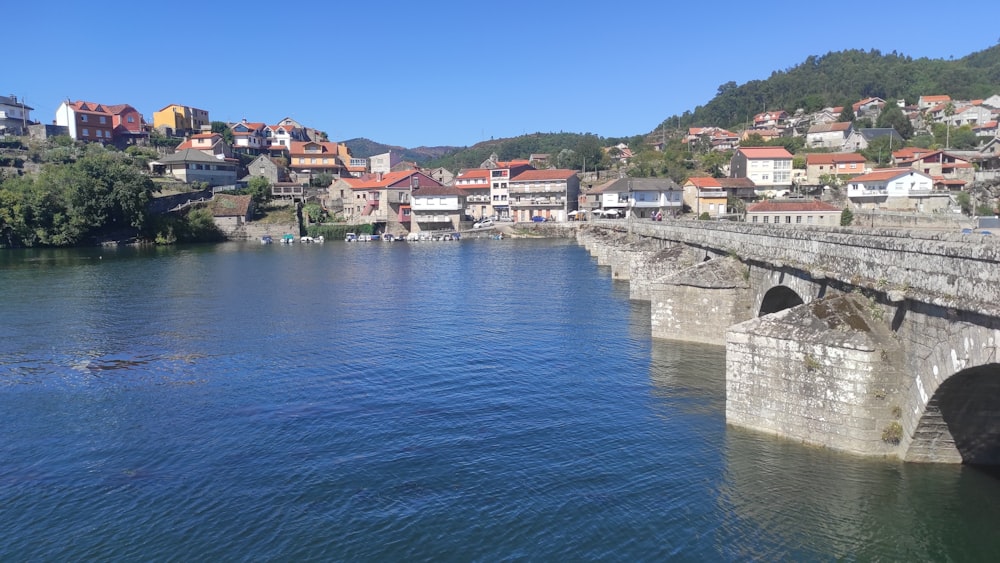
<point x="365" y="148"/>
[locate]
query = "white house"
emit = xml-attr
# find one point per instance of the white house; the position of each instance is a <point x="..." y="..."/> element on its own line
<point x="897" y="188"/>
<point x="639" y="197"/>
<point x="794" y="212"/>
<point x="435" y="207"/>
<point x="970" y="115"/>
<point x="770" y="168"/>
<point x="14" y="115"/>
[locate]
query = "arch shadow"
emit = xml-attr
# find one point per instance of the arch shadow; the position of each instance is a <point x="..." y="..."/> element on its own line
<point x="969" y="404"/>
<point x="779" y="298"/>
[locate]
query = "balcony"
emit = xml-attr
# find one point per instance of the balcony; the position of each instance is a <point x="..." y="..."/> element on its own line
<point x="538" y="202"/>
<point x="713" y="194"/>
<point x="477" y="198"/>
<point x="540" y="189"/>
<point x="866" y="193"/>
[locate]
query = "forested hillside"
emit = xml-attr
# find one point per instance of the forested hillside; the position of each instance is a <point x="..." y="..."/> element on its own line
<point x="365" y="148"/>
<point x="845" y="77"/>
<point x="566" y="150"/>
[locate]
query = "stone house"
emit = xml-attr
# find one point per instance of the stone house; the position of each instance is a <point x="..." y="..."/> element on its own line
<point x="265" y="167"/>
<point x="231" y="211"/>
<point x="828" y="135"/>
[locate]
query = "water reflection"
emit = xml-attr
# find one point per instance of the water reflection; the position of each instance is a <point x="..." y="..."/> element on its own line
<point x="801" y="502"/>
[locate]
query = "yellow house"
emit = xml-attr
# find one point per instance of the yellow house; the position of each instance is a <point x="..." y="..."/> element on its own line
<point x="181" y="118"/>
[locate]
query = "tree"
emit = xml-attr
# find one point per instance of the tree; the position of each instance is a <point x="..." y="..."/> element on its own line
<point x="259" y="189"/>
<point x="964" y="202"/>
<point x="589" y="152"/>
<point x="223" y="129"/>
<point x="879" y="150"/>
<point x="846" y="217"/>
<point x="846" y="114"/>
<point x="892" y="116"/>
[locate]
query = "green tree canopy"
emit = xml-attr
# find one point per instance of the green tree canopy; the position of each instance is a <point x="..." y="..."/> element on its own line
<point x="893" y="116"/>
<point x="223" y="129"/>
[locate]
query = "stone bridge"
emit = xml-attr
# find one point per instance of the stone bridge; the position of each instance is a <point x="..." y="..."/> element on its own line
<point x="877" y="342"/>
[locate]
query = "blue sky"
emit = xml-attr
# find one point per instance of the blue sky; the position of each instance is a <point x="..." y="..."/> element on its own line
<point x="443" y="72"/>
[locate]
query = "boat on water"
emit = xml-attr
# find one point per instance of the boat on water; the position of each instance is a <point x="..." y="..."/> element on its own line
<point x="288" y="239"/>
<point x="266" y="239"/>
<point x="351" y="237"/>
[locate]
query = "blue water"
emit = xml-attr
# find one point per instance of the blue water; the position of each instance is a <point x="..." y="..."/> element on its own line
<point x="472" y="401"/>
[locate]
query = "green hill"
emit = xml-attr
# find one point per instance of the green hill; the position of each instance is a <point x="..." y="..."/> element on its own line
<point x="364" y="148"/>
<point x="846" y="77"/>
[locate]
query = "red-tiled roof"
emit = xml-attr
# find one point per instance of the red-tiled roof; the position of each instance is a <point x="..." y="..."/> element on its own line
<point x="551" y="174"/>
<point x="883" y="174"/>
<point x="791" y="206"/>
<point x="941" y="98"/>
<point x="373" y="181"/>
<point x="833" y="158"/>
<point x="765" y="152"/>
<point x="704" y="182"/>
<point x="474" y="173"/>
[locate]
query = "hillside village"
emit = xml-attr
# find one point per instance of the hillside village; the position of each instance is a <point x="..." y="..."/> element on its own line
<point x="795" y="168"/>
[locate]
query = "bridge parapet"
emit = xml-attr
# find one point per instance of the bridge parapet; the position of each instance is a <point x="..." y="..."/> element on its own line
<point x="946" y="269"/>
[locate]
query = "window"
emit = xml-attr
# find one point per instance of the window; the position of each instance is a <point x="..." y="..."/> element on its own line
<point x="103" y="120"/>
<point x="86" y="132"/>
<point x="788" y="219"/>
<point x="798" y="218"/>
<point x="83" y="117"/>
<point x="766" y="219"/>
<point x="755" y="218"/>
<point x="809" y="220"/>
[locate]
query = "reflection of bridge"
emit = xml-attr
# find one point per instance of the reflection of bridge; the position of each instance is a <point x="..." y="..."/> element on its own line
<point x="876" y="342"/>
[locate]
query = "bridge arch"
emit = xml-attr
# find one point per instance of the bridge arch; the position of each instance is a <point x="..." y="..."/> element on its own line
<point x="779" y="298"/>
<point x="960" y="420"/>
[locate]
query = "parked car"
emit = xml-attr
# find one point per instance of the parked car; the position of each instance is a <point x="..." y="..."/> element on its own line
<point x="538" y="219"/>
<point x="482" y="223"/>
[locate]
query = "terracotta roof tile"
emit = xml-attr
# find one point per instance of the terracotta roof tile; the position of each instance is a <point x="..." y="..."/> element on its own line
<point x="791" y="206"/>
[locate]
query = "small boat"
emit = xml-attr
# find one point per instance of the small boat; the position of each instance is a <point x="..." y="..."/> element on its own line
<point x="266" y="239"/>
<point x="288" y="239"/>
<point x="351" y="237"/>
<point x="307" y="239"/>
<point x="387" y="237"/>
<point x="319" y="239"/>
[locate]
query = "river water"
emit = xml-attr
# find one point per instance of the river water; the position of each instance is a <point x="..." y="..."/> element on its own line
<point x="471" y="401"/>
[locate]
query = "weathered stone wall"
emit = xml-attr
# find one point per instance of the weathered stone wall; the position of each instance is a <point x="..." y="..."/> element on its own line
<point x="906" y="365"/>
<point x="698" y="304"/>
<point x="820" y="373"/>
<point x="253" y="231"/>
